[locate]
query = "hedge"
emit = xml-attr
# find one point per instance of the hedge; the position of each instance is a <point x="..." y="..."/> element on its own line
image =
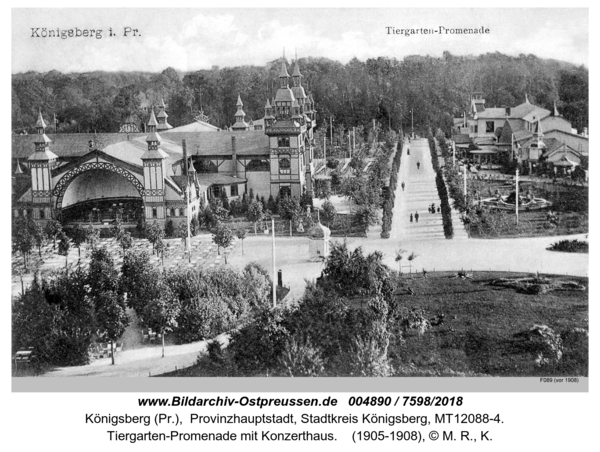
<point x="388" y="204"/>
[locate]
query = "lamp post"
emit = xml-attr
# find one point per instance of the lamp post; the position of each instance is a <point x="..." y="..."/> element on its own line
<point x="274" y="268"/>
<point x="517" y="194"/>
<point x="331" y="130"/>
<point x="412" y="124"/>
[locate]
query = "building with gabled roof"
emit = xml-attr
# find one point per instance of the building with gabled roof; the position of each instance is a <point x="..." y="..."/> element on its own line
<point x="165" y="172"/>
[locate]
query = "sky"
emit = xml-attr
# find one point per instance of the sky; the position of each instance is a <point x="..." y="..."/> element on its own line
<point x="192" y="39"/>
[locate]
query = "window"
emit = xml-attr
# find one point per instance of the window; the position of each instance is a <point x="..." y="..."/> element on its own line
<point x="234" y="190"/>
<point x="489" y="127"/>
<point x="283" y="142"/>
<point x="285" y="190"/>
<point x="177" y="212"/>
<point x="475" y="129"/>
<point x="154" y="212"/>
<point x="258" y="165"/>
<point x="284" y="164"/>
<point x="42" y="214"/>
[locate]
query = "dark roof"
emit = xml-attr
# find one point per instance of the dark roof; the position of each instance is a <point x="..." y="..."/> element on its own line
<point x="299" y="92"/>
<point x="68" y="144"/>
<point x="246" y="143"/>
<point x="219" y="179"/>
<point x="526" y="109"/>
<point x="461" y="139"/>
<point x="284" y="95"/>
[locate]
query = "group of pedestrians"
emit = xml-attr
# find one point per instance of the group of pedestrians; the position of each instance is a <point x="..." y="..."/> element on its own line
<point x="431" y="208"/>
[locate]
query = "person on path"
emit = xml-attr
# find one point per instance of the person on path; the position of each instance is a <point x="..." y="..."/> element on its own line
<point x="418" y="165"/>
<point x="407" y="151"/>
<point x="411" y="218"/>
<point x="439" y="209"/>
<point x="417" y="217"/>
<point x="402" y="185"/>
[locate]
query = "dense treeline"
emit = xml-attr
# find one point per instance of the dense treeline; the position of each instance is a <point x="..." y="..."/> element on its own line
<point x="385" y="89"/>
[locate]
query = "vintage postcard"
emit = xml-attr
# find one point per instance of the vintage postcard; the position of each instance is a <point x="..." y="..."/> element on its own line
<point x="278" y="193"/>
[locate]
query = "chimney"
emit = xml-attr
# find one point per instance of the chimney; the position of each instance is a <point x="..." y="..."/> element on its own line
<point x="585" y="132"/>
<point x="184" y="166"/>
<point x="507" y="109"/>
<point x="234" y="171"/>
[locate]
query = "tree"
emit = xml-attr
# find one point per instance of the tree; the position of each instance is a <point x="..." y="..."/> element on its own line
<point x="64" y="246"/>
<point x="398" y="258"/>
<point x="194" y="225"/>
<point x="52" y="229"/>
<point x="255" y="213"/>
<point x="117" y="230"/>
<point x="126" y="241"/>
<point x="169" y="229"/>
<point x="161" y="313"/>
<point x="411" y="258"/>
<point x="222" y="237"/>
<point x="154" y="233"/>
<point x="365" y="216"/>
<point x="22" y="240"/>
<point x="102" y="274"/>
<point x="289" y="209"/>
<point x="38" y="234"/>
<point x="328" y="212"/>
<point x="140" y="280"/>
<point x="111" y="317"/>
<point x="241" y="234"/>
<point x="92" y="237"/>
<point x="78" y="236"/>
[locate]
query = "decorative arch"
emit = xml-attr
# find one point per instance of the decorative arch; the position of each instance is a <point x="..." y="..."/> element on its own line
<point x="63" y="183"/>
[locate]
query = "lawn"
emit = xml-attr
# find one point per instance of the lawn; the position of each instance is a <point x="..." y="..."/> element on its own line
<point x="481" y="320"/>
<point x="485" y="328"/>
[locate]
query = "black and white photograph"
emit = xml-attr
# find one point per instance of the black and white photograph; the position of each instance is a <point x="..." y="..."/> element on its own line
<point x="260" y="193"/>
<point x="360" y="226"/>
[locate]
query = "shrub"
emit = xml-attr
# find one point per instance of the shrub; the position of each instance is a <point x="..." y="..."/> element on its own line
<point x="570" y="246"/>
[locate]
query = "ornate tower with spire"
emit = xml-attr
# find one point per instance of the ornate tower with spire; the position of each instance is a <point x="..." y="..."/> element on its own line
<point x="290" y="137"/>
<point x="154" y="174"/>
<point x="240" y="123"/>
<point x="162" y="118"/>
<point x="41" y="163"/>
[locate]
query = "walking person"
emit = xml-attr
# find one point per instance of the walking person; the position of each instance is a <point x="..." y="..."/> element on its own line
<point x="418" y="165"/>
<point x="439" y="209"/>
<point x="411" y="218"/>
<point x="402" y="185"/>
<point x="407" y="151"/>
<point x="417" y="217"/>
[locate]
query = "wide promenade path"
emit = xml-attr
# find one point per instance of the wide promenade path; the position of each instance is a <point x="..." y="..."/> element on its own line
<point x="419" y="193"/>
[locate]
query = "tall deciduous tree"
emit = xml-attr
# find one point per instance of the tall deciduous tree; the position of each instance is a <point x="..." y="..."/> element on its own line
<point x="255" y="213"/>
<point x="111" y="317"/>
<point x="161" y="313"/>
<point x="222" y="237"/>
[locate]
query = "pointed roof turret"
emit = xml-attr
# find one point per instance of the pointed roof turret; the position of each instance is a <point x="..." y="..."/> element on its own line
<point x="556" y="110"/>
<point x="18" y="169"/>
<point x="283" y="71"/>
<point x="162" y="118"/>
<point x="538" y="129"/>
<point x="152" y="122"/>
<point x="40" y="122"/>
<point x="240" y="124"/>
<point x="268" y="104"/>
<point x="526" y="98"/>
<point x="41" y="141"/>
<point x="296" y="72"/>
